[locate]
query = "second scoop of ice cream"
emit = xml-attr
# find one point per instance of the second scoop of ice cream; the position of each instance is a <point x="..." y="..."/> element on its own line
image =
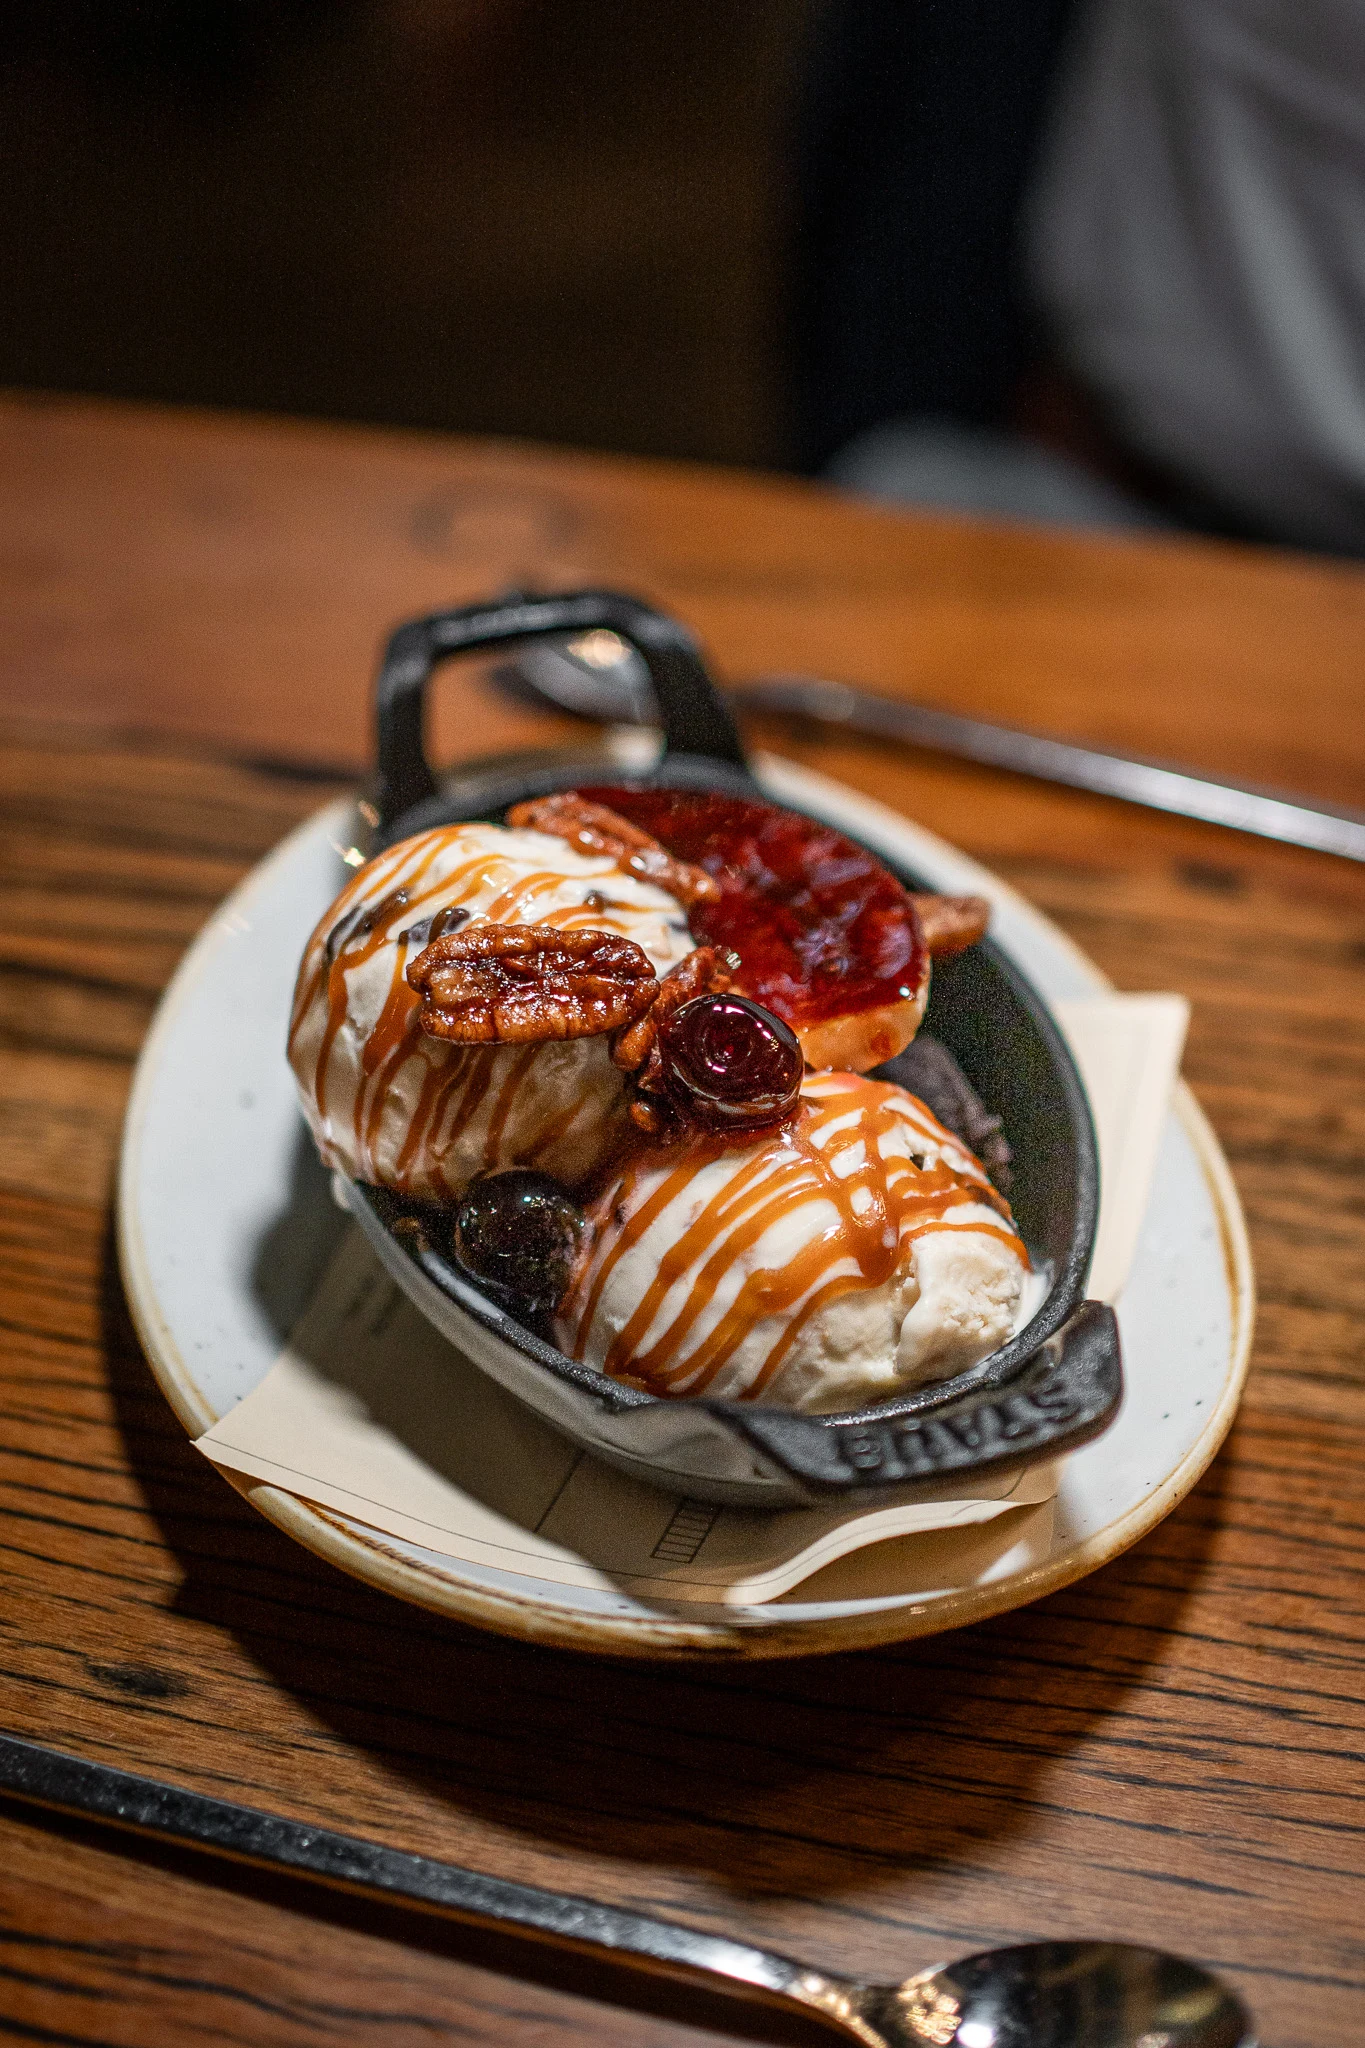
<point x="856" y="1254"/>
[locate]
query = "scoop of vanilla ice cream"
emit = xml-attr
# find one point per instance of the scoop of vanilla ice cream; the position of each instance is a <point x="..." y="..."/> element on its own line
<point x="388" y="1104"/>
<point x="848" y="1259"/>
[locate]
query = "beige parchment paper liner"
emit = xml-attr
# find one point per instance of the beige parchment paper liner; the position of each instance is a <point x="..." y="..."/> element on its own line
<point x="370" y="1412"/>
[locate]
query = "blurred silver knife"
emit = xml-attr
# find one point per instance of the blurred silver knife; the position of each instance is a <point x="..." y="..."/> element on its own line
<point x="1242" y="806"/>
<point x="607" y="682"/>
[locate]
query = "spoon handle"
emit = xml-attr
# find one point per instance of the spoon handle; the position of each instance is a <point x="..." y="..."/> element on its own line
<point x="96" y="1791"/>
<point x="1160" y="786"/>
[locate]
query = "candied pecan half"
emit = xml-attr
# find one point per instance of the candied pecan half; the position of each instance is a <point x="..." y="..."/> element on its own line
<point x="592" y="828"/>
<point x="636" y="1049"/>
<point x="951" y="923"/>
<point x="521" y="984"/>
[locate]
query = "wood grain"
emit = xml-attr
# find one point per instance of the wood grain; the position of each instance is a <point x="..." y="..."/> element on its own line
<point x="1171" y="1751"/>
<point x="231" y="580"/>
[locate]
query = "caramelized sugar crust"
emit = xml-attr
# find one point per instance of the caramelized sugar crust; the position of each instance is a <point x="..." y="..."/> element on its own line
<point x="826" y="937"/>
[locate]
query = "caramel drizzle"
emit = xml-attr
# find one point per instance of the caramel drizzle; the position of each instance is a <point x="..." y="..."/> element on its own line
<point x="390" y="894"/>
<point x="882" y="1205"/>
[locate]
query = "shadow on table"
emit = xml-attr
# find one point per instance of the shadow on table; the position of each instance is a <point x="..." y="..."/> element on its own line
<point x="777" y="1783"/>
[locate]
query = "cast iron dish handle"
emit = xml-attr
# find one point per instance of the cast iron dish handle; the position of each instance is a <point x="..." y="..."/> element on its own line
<point x="694" y="719"/>
<point x="1065" y="1395"/>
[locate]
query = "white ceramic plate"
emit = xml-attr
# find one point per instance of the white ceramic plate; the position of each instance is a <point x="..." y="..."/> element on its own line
<point x="226" y="1221"/>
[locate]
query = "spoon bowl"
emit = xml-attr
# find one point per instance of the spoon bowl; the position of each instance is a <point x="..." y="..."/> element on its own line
<point x="1057" y="1994"/>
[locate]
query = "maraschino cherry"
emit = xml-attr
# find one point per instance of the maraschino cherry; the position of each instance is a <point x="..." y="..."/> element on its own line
<point x="730" y="1065"/>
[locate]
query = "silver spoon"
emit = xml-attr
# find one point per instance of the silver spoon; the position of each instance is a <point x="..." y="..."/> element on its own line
<point x="599" y="677"/>
<point x="1051" y="1994"/>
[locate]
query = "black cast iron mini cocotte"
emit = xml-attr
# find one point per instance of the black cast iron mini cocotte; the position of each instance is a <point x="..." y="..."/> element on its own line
<point x="1052" y="1387"/>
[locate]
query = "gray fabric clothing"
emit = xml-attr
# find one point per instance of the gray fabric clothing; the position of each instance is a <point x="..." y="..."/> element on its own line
<point x="1196" y="243"/>
<point x="960" y="468"/>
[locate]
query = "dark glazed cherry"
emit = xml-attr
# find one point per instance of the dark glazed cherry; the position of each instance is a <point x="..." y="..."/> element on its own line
<point x="517" y="1231"/>
<point x="730" y="1065"/>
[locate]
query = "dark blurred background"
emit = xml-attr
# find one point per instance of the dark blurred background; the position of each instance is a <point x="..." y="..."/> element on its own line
<point x="740" y="232"/>
<point x="558" y="218"/>
<point x="1089" y="262"/>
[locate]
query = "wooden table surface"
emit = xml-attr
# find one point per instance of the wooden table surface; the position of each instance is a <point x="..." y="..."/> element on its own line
<point x="1170" y="1752"/>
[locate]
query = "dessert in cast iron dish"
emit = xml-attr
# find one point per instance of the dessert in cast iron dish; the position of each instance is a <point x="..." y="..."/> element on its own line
<point x="633" y="1010"/>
